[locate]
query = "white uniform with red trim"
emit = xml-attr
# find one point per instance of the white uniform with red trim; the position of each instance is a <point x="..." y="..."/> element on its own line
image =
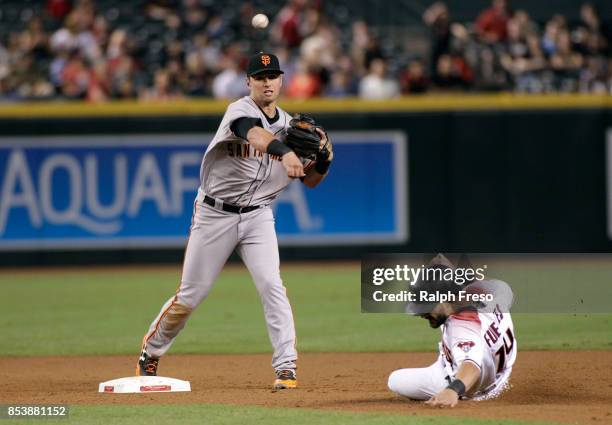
<point x="486" y="339"/>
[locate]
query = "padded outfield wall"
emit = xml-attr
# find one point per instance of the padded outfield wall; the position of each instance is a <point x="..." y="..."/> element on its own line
<point x="499" y="173"/>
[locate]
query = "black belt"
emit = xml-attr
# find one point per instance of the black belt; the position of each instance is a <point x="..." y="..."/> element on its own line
<point x="229" y="207"/>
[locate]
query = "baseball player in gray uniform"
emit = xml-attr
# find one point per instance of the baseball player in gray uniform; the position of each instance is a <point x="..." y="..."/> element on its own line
<point x="244" y="168"/>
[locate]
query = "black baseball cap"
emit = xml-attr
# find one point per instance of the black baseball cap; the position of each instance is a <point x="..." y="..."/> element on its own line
<point x="263" y="62"/>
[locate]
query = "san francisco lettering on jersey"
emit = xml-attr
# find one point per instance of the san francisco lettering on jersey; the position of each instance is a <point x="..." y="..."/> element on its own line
<point x="244" y="150"/>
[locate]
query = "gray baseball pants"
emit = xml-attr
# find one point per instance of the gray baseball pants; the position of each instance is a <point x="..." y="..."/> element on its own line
<point x="214" y="236"/>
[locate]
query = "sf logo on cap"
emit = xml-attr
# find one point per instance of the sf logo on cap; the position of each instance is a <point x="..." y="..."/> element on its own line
<point x="265" y="59"/>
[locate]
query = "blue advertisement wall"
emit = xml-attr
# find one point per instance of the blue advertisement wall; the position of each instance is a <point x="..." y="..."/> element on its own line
<point x="137" y="191"/>
<point x="120" y="189"/>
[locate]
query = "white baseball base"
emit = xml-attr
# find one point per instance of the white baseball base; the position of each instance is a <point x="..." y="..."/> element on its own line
<point x="144" y="384"/>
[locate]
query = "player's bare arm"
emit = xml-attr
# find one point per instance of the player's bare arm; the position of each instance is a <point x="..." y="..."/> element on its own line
<point x="468" y="374"/>
<point x="261" y="139"/>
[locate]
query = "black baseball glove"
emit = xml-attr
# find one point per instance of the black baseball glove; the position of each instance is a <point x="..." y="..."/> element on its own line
<point x="303" y="138"/>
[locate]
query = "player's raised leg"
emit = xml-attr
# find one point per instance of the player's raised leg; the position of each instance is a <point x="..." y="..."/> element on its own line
<point x="418" y="383"/>
<point x="213" y="237"/>
<point x="258" y="248"/>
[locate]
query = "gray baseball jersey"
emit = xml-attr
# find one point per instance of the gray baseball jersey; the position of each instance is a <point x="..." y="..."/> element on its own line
<point x="233" y="171"/>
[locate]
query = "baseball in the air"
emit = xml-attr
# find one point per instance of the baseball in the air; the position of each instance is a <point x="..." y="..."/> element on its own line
<point x="260" y="21"/>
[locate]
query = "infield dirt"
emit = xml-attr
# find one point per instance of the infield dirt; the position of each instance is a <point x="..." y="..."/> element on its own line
<point x="562" y="386"/>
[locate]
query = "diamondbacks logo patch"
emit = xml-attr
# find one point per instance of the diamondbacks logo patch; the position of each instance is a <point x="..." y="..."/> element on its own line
<point x="466" y="346"/>
<point x="265" y="59"/>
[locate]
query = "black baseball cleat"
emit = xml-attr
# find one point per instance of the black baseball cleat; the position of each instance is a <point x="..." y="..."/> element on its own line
<point x="285" y="379"/>
<point x="147" y="365"/>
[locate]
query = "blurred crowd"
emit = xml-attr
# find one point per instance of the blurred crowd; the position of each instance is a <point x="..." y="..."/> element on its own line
<point x="171" y="49"/>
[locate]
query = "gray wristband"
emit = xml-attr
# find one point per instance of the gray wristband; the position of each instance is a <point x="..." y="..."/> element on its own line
<point x="276" y="147"/>
<point x="457" y="386"/>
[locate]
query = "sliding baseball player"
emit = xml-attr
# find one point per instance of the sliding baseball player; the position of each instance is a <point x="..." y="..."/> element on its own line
<point x="478" y="346"/>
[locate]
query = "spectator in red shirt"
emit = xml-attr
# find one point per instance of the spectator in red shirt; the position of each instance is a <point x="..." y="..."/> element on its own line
<point x="58" y="9"/>
<point x="492" y="23"/>
<point x="76" y="77"/>
<point x="413" y="79"/>
<point x="452" y="73"/>
<point x="304" y="84"/>
<point x="287" y="27"/>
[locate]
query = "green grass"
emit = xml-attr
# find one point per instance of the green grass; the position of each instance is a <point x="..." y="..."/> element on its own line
<point x="226" y="415"/>
<point x="108" y="311"/>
